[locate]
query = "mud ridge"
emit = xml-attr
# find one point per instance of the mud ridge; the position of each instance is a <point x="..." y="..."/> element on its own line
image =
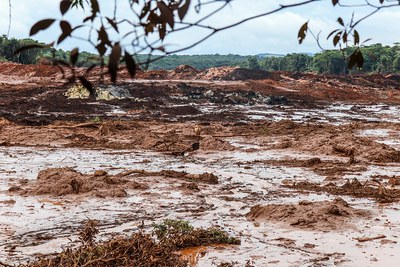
<point x="322" y="216"/>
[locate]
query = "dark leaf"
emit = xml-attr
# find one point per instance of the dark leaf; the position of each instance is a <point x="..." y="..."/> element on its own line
<point x="114" y="61"/>
<point x="332" y="33"/>
<point x="162" y="30"/>
<point x="101" y="48"/>
<point x="367" y="40"/>
<point x="356" y="58"/>
<point x="166" y="14"/>
<point x="66" y="30"/>
<point x="352" y="60"/>
<point x="91" y="17"/>
<point x="182" y="11"/>
<point x="336" y="39"/>
<point x="113" y="24"/>
<point x="41" y="25"/>
<point x="95" y="6"/>
<point x="88" y="85"/>
<point x="74" y="56"/>
<point x="381" y="1"/>
<point x="360" y="60"/>
<point x="103" y="36"/>
<point x="302" y="32"/>
<point x="130" y="64"/>
<point x="145" y="10"/>
<point x="356" y="38"/>
<point x="335" y="2"/>
<point x="344" y="38"/>
<point x="65" y="5"/>
<point x="340" y="20"/>
<point x="65" y="27"/>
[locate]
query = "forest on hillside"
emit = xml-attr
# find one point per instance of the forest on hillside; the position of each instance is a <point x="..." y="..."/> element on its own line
<point x="378" y="58"/>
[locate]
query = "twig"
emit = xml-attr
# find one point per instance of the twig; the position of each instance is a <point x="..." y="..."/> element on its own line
<point x="85" y="124"/>
<point x="365" y="239"/>
<point x="127" y="173"/>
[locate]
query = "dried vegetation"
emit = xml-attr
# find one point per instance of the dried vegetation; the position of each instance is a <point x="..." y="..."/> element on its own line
<point x="139" y="249"/>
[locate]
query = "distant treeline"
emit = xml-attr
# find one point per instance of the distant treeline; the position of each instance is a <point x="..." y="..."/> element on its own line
<point x="196" y="61"/>
<point x="378" y="59"/>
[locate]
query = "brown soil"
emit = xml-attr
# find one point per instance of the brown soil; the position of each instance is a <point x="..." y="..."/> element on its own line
<point x="322" y="216"/>
<point x="186" y="115"/>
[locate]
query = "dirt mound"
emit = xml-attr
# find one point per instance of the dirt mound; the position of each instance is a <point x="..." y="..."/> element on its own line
<point x="352" y="188"/>
<point x="345" y="143"/>
<point x="211" y="143"/>
<point x="67" y="181"/>
<point x="184" y="72"/>
<point x="10" y="68"/>
<point x="323" y="215"/>
<point x="206" y="177"/>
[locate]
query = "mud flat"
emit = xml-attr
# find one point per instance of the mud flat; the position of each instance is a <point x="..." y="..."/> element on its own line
<point x="303" y="169"/>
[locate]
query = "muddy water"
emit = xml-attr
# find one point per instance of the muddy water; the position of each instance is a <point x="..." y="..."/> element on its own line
<point x="336" y="114"/>
<point x="42" y="224"/>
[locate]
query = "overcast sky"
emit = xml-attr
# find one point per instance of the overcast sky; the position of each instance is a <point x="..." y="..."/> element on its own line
<point x="276" y="33"/>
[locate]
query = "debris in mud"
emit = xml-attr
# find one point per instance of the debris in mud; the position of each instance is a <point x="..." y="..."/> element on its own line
<point x="139" y="249"/>
<point x="366" y="239"/>
<point x="322" y="215"/>
<point x="67" y="181"/>
<point x="77" y="92"/>
<point x="233" y="74"/>
<point x="204" y="177"/>
<point x="351" y="188"/>
<point x="102" y="93"/>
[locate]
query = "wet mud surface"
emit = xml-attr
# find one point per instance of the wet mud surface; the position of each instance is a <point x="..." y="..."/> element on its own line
<point x="303" y="169"/>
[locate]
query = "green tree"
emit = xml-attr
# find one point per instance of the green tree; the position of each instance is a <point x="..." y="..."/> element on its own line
<point x="396" y="62"/>
<point x="252" y="63"/>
